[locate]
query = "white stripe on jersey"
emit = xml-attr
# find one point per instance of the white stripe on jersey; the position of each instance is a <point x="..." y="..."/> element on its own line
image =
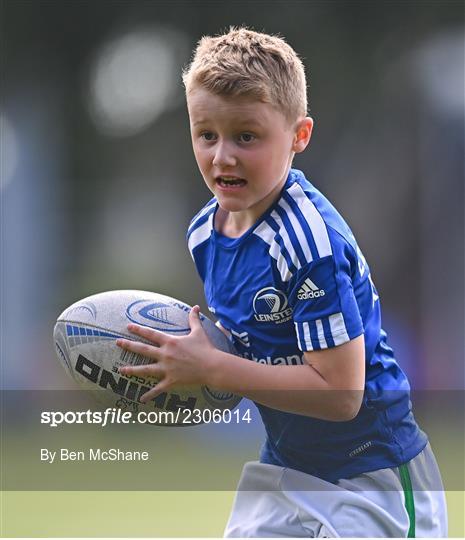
<point x="321" y="334"/>
<point x="267" y="234"/>
<point x="287" y="241"/>
<point x="338" y="329"/>
<point x="200" y="234"/>
<point x="275" y="252"/>
<point x="299" y="232"/>
<point x="202" y="212"/>
<point x="307" y="338"/>
<point x="313" y="218"/>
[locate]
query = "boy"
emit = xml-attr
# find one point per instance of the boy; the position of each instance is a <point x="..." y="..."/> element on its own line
<point x="285" y="278"/>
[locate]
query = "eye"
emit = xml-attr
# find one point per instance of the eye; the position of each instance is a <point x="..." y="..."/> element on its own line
<point x="246" y="137"/>
<point x="208" y="136"/>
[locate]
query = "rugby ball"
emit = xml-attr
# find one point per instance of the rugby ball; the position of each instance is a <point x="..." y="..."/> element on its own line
<point x="85" y="340"/>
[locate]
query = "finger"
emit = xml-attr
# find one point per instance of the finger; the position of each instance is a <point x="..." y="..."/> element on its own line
<point x="147" y="370"/>
<point x="194" y="318"/>
<point x="144" y="349"/>
<point x="148" y="333"/>
<point x="154" y="392"/>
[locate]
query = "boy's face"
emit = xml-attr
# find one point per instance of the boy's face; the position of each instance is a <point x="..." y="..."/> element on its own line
<point x="244" y="149"/>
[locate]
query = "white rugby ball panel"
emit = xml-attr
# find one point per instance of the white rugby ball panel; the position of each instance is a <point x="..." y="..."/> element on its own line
<point x="85" y="336"/>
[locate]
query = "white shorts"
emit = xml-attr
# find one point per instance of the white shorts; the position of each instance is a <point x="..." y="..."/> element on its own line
<point x="276" y="502"/>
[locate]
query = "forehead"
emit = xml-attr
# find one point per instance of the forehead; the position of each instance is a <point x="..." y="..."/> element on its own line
<point x="206" y="107"/>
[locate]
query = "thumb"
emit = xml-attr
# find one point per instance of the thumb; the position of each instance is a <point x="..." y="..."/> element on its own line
<point x="194" y="318"/>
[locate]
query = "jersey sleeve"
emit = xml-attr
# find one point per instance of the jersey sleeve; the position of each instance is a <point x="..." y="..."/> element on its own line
<point x="325" y="310"/>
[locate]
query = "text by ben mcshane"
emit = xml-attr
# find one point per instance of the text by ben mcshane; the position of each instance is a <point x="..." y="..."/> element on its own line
<point x="92" y="454"/>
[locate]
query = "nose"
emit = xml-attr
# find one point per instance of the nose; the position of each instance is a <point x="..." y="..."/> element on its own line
<point x="224" y="155"/>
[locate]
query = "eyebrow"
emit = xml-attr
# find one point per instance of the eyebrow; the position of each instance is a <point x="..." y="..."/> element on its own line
<point x="198" y="122"/>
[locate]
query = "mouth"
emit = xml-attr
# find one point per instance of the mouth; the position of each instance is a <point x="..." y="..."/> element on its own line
<point x="230" y="182"/>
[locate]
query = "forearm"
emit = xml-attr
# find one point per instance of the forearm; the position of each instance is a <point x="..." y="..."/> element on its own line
<point x="329" y="385"/>
<point x="295" y="389"/>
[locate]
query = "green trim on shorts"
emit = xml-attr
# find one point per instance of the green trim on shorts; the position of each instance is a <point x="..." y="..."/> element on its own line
<point x="409" y="502"/>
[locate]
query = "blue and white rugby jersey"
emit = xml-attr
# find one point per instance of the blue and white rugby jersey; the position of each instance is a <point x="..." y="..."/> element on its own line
<point x="297" y="281"/>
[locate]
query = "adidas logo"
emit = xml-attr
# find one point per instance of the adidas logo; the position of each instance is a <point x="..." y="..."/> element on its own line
<point x="309" y="290"/>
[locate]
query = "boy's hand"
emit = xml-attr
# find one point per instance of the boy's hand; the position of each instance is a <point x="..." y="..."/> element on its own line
<point x="178" y="360"/>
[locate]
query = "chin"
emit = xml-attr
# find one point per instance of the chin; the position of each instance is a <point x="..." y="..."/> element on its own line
<point x="231" y="206"/>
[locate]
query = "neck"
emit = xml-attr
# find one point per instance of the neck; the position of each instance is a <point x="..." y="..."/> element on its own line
<point x="235" y="224"/>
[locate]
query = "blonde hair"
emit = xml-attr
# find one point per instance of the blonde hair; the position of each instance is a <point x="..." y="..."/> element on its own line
<point x="248" y="63"/>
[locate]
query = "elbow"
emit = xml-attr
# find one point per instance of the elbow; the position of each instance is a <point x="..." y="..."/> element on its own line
<point x="349" y="413"/>
<point x="348" y="406"/>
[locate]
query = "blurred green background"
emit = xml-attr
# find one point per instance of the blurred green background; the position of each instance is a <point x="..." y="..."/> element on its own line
<point x="146" y="514"/>
<point x="98" y="183"/>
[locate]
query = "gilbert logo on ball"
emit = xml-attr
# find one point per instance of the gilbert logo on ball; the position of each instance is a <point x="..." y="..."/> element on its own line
<point x="157" y="315"/>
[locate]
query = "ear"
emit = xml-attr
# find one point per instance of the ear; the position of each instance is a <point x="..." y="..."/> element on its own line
<point x="303" y="132"/>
